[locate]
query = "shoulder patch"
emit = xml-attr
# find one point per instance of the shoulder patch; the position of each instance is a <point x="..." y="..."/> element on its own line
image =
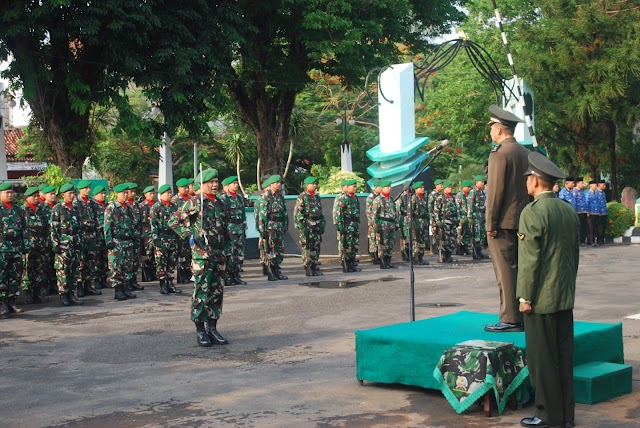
<point x="521" y="236"/>
<point x="496" y="148"/>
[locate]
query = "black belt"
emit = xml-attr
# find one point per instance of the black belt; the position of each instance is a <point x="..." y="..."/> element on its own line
<point x="236" y="220"/>
<point x="388" y="218"/>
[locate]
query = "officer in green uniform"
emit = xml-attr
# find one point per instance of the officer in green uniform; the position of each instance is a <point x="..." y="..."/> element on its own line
<point x="102" y="260"/>
<point x="237" y="229"/>
<point x="420" y="223"/>
<point x="346" y="217"/>
<point x="371" y="228"/>
<point x="548" y="256"/>
<point x="445" y="216"/>
<point x="184" y="248"/>
<point x="476" y="217"/>
<point x="385" y="218"/>
<point x="13" y="244"/>
<point x="273" y="224"/>
<point x="310" y="222"/>
<point x="164" y="240"/>
<point x="146" y="243"/>
<point x="463" y="239"/>
<point x="34" y="279"/>
<point x="433" y="231"/>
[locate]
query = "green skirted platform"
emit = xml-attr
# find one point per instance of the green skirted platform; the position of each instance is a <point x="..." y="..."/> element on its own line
<point x="408" y="353"/>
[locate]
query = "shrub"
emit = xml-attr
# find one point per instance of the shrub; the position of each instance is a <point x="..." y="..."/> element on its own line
<point x="619" y="219"/>
<point x="331" y="184"/>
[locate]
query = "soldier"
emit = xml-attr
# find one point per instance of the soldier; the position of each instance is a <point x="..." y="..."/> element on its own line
<point x="445" y="216"/>
<point x="273" y="224"/>
<point x="13" y="244"/>
<point x="437" y="191"/>
<point x="119" y="235"/>
<point x="346" y="217"/>
<point x="310" y="222"/>
<point x="41" y="194"/>
<point x="420" y="223"/>
<point x="50" y="202"/>
<point x="371" y="229"/>
<point x="164" y="239"/>
<point x="89" y="257"/>
<point x="67" y="238"/>
<point x="261" y="241"/>
<point x="206" y="220"/>
<point x="146" y="243"/>
<point x="184" y="246"/>
<point x="385" y="215"/>
<point x="34" y="278"/>
<point x="476" y="217"/>
<point x="582" y="210"/>
<point x="402" y="222"/>
<point x="102" y="260"/>
<point x="137" y="220"/>
<point x="237" y="229"/>
<point x="463" y="232"/>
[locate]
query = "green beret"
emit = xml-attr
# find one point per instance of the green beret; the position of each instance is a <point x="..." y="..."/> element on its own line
<point x="30" y="191"/>
<point x="376" y="183"/>
<point x="67" y="187"/>
<point x="273" y="179"/>
<point x="5" y="186"/>
<point x="229" y="180"/>
<point x="183" y="182"/>
<point x="190" y="181"/>
<point x="438" y="181"/>
<point x="466" y="183"/>
<point x="417" y="184"/>
<point x="196" y="187"/>
<point x="447" y="184"/>
<point x="381" y="183"/>
<point x="349" y="182"/>
<point x="164" y="188"/>
<point x="310" y="180"/>
<point x="132" y="186"/>
<point x="83" y="183"/>
<point x="479" y="178"/>
<point x="204" y="176"/>
<point x="99" y="189"/>
<point x="49" y="189"/>
<point x="121" y="187"/>
<point x="149" y="189"/>
<point x="42" y="186"/>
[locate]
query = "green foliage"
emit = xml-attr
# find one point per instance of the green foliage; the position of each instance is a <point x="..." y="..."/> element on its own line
<point x="620" y="218"/>
<point x="52" y="175"/>
<point x="330" y="184"/>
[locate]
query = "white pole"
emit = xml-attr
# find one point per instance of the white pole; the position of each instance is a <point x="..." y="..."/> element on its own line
<point x="3" y="149"/>
<point x="165" y="164"/>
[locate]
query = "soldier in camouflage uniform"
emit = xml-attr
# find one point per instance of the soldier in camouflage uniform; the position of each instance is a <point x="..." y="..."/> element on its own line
<point x="119" y="235"/>
<point x="164" y="239"/>
<point x="237" y="229"/>
<point x="437" y="191"/>
<point x="261" y="241"/>
<point x="50" y="202"/>
<point x="476" y="217"/>
<point x="146" y="243"/>
<point x="464" y="232"/>
<point x="184" y="247"/>
<point x="385" y="218"/>
<point x="371" y="229"/>
<point x="445" y="216"/>
<point x="310" y="222"/>
<point x="273" y="223"/>
<point x="13" y="244"/>
<point x="346" y="217"/>
<point x="205" y="218"/>
<point x="137" y="220"/>
<point x="67" y="239"/>
<point x="34" y="278"/>
<point x="102" y="260"/>
<point x="402" y="223"/>
<point x="89" y="258"/>
<point x="420" y="223"/>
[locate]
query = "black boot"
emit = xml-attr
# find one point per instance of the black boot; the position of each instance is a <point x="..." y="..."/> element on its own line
<point x="163" y="286"/>
<point x="74" y="300"/>
<point x="227" y="280"/>
<point x="36" y="295"/>
<point x="421" y="262"/>
<point x="203" y="337"/>
<point x="64" y="300"/>
<point x="307" y="270"/>
<point x="239" y="280"/>
<point x="374" y="259"/>
<point x="271" y="273"/>
<point x="352" y="266"/>
<point x="171" y="287"/>
<point x="11" y="303"/>
<point x="387" y="261"/>
<point x="4" y="308"/>
<point x="80" y="290"/>
<point x="480" y="254"/>
<point x="315" y="270"/>
<point x="383" y="264"/>
<point x="128" y="294"/>
<point x="279" y="274"/>
<point x="119" y="295"/>
<point x="215" y="337"/>
<point x="135" y="285"/>
<point x="91" y="290"/>
<point x="265" y="269"/>
<point x="28" y="297"/>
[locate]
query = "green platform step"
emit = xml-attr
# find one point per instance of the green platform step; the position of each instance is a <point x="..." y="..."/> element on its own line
<point x="596" y="381"/>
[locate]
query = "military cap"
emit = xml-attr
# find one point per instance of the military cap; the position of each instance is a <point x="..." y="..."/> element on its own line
<point x="42" y="186"/>
<point x="351" y="182"/>
<point x="5" y="186"/>
<point x="30" y="191"/>
<point x="67" y="187"/>
<point x="376" y="182"/>
<point x="183" y="182"/>
<point x="131" y="185"/>
<point x="164" y="188"/>
<point x="121" y="187"/>
<point x="466" y="183"/>
<point x="447" y="184"/>
<point x="49" y="189"/>
<point x="579" y="178"/>
<point x="196" y="187"/>
<point x="310" y="179"/>
<point x="83" y="183"/>
<point x="99" y="189"/>
<point x="273" y="179"/>
<point x="149" y="189"/>
<point x="438" y="181"/>
<point x="593" y="182"/>
<point x="541" y="166"/>
<point x="229" y="180"/>
<point x="417" y="184"/>
<point x="503" y="117"/>
<point x="602" y="181"/>
<point x="382" y="183"/>
<point x="479" y="178"/>
<point x="204" y="176"/>
<point x="569" y="179"/>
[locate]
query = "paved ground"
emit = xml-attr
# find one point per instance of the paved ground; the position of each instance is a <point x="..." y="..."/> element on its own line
<point x="291" y="361"/>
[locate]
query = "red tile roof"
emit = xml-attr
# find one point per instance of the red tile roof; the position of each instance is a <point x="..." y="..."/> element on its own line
<point x="11" y="138"/>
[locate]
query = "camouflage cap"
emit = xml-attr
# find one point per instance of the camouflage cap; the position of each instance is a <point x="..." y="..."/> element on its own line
<point x="5" y="186"/>
<point x="83" y="184"/>
<point x="67" y="187"/>
<point x="164" y="188"/>
<point x="149" y="189"/>
<point x="121" y="188"/>
<point x="229" y="180"/>
<point x="30" y="191"/>
<point x="310" y="179"/>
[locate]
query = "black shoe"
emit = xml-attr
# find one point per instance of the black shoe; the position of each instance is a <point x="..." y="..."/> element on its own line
<point x="128" y="294"/>
<point x="228" y="282"/>
<point x="421" y="262"/>
<point x="74" y="300"/>
<point x="239" y="280"/>
<point x="202" y="336"/>
<point x="11" y="303"/>
<point x="271" y="273"/>
<point x="4" y="308"/>
<point x="28" y="298"/>
<point x="534" y="422"/>
<point x="279" y="274"/>
<point x="134" y="284"/>
<point x="163" y="286"/>
<point x="172" y="288"/>
<point x="64" y="300"/>
<point x="119" y="293"/>
<point x="503" y="327"/>
<point x="388" y="263"/>
<point x="80" y="290"/>
<point x="215" y="337"/>
<point x="265" y="269"/>
<point x="351" y="267"/>
<point x="315" y="270"/>
<point x="91" y="290"/>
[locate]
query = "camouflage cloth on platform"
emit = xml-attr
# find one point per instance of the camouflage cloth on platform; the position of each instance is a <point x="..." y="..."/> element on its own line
<point x="346" y="217"/>
<point x="66" y="242"/>
<point x="119" y="236"/>
<point x="237" y="231"/>
<point x="37" y="258"/>
<point x="476" y="212"/>
<point x="385" y="215"/>
<point x="164" y="239"/>
<point x="371" y="229"/>
<point x="420" y="220"/>
<point x="465" y="233"/>
<point x="13" y="244"/>
<point x="273" y="224"/>
<point x="445" y="216"/>
<point x="310" y="222"/>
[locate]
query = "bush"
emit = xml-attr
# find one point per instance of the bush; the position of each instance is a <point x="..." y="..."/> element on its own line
<point x="620" y="218"/>
<point x="331" y="184"/>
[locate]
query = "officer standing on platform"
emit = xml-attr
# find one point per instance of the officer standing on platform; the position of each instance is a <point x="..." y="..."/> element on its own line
<point x="420" y="223"/>
<point x="385" y="218"/>
<point x="237" y="229"/>
<point x="548" y="258"/>
<point x="506" y="197"/>
<point x="273" y="225"/>
<point x="184" y="248"/>
<point x="13" y="244"/>
<point x="371" y="229"/>
<point x="476" y="217"/>
<point x="346" y="218"/>
<point x="310" y="222"/>
<point x="437" y="190"/>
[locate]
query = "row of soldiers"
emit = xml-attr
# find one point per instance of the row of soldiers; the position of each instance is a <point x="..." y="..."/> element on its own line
<point x="590" y="205"/>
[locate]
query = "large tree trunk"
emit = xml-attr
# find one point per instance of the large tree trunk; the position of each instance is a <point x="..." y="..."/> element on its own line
<point x="615" y="195"/>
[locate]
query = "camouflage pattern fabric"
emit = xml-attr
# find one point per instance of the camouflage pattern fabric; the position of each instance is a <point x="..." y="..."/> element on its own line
<point x="466" y="374"/>
<point x="261" y="242"/>
<point x="164" y="239"/>
<point x="208" y="224"/>
<point x="445" y="216"/>
<point x="371" y="229"/>
<point x="434" y="239"/>
<point x="66" y="240"/>
<point x="119" y="235"/>
<point x="273" y="224"/>
<point x="136" y="215"/>
<point x="402" y="221"/>
<point x="466" y="237"/>
<point x="36" y="260"/>
<point x="147" y="251"/>
<point x="237" y="231"/>
<point x="385" y="215"/>
<point x="346" y="217"/>
<point x="184" y="246"/>
<point x="420" y="220"/>
<point x="89" y="258"/>
<point x="102" y="259"/>
<point x="52" y="282"/>
<point x="310" y="222"/>
<point x="13" y="244"/>
<point x="476" y="215"/>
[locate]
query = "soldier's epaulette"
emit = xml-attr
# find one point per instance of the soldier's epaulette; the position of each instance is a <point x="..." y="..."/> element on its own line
<point x="496" y="148"/>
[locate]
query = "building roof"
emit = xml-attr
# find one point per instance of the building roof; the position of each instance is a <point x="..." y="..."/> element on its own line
<point x="11" y="138"/>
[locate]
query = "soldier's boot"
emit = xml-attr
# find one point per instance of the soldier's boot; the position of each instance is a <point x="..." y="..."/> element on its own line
<point x="345" y="265"/>
<point x="479" y="253"/>
<point x="227" y="280"/>
<point x="265" y="269"/>
<point x="315" y="270"/>
<point x="91" y="290"/>
<point x="4" y="308"/>
<point x="421" y="261"/>
<point x="307" y="270"/>
<point x="145" y="273"/>
<point x="152" y="272"/>
<point x="171" y="287"/>
<point x="186" y="275"/>
<point x="80" y="289"/>
<point x="201" y="334"/>
<point x="119" y="295"/>
<point x="238" y="280"/>
<point x="73" y="299"/>
<point x="128" y="294"/>
<point x="37" y="295"/>
<point x="387" y="261"/>
<point x="135" y="285"/>
<point x="353" y="267"/>
<point x="163" y="286"/>
<point x="214" y="337"/>
<point x="271" y="273"/>
<point x="464" y="250"/>
<point x="458" y="252"/>
<point x="373" y="258"/>
<point x="279" y="274"/>
<point x="64" y="300"/>
<point x="383" y="264"/>
<point x="448" y="258"/>
<point x="53" y="287"/>
<point x="11" y="303"/>
<point x="28" y="297"/>
<point x="404" y="255"/>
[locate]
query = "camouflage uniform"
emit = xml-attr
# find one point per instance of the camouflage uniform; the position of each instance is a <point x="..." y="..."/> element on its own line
<point x="52" y="283"/>
<point x="385" y="218"/>
<point x="476" y="217"/>
<point x="464" y="233"/>
<point x="310" y="222"/>
<point x="434" y="239"/>
<point x="67" y="239"/>
<point x="402" y="223"/>
<point x="146" y="242"/>
<point x="420" y="228"/>
<point x="346" y="217"/>
<point x="371" y="229"/>
<point x="237" y="228"/>
<point x="34" y="278"/>
<point x="119" y="234"/>
<point x="136" y="215"/>
<point x="102" y="260"/>
<point x="261" y="242"/>
<point x="164" y="241"/>
<point x="184" y="246"/>
<point x="13" y="244"/>
<point x="273" y="224"/>
<point x="89" y="248"/>
<point x="445" y="216"/>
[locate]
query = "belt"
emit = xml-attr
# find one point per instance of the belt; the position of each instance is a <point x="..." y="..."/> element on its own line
<point x="236" y="220"/>
<point x="388" y="218"/>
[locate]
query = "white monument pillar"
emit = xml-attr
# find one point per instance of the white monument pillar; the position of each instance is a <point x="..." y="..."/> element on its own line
<point x="165" y="165"/>
<point x="3" y="148"/>
<point x="397" y="111"/>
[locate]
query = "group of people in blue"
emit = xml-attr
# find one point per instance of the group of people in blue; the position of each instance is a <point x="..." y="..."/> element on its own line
<point x="590" y="205"/>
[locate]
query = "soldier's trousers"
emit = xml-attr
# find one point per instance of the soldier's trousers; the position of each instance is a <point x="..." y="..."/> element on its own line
<point x="420" y="237"/>
<point x="90" y="258"/>
<point x="479" y="231"/>
<point x="310" y="242"/>
<point x="147" y="252"/>
<point x="10" y="274"/>
<point x="208" y="289"/>
<point x="102" y="259"/>
<point x="467" y="235"/>
<point x="276" y="247"/>
<point x="386" y="240"/>
<point x="348" y="242"/>
<point x="35" y="270"/>
<point x="67" y="265"/>
<point x="449" y="236"/>
<point x="134" y="265"/>
<point x="121" y="262"/>
<point x="184" y="253"/>
<point x="236" y="253"/>
<point x="549" y="339"/>
<point x="166" y="257"/>
<point x="261" y="245"/>
<point x="373" y="243"/>
<point x="504" y="256"/>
